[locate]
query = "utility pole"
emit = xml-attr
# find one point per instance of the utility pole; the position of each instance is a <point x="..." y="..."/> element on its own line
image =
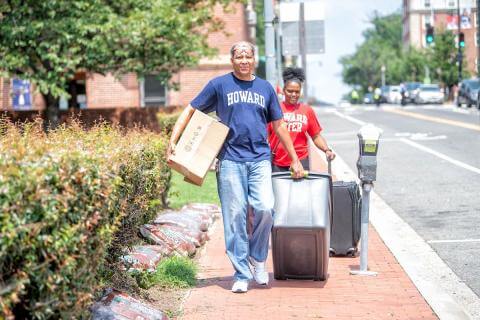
<point x="460" y="57"/>
<point x="478" y="38"/>
<point x="269" y="42"/>
<point x="303" y="48"/>
<point x="279" y="49"/>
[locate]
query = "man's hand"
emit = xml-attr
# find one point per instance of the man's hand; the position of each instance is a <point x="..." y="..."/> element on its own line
<point x="170" y="150"/>
<point x="297" y="169"/>
<point x="177" y="129"/>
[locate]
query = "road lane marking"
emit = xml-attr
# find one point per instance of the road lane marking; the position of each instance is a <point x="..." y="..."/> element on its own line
<point x="351" y="119"/>
<point x="454" y="241"/>
<point x="435" y="119"/>
<point x="336" y="134"/>
<point x="424" y="136"/>
<point x="441" y="156"/>
<point x="418" y="146"/>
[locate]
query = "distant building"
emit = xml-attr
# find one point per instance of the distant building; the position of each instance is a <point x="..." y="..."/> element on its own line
<point x="93" y="91"/>
<point x="442" y="15"/>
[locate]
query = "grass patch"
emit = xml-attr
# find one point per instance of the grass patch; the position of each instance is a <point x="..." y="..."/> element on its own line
<point x="182" y="192"/>
<point x="173" y="272"/>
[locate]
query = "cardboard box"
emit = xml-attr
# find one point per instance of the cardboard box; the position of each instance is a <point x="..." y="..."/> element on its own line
<point x="199" y="144"/>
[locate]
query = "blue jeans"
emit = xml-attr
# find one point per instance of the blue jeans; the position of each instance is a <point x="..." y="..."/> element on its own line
<point x="243" y="184"/>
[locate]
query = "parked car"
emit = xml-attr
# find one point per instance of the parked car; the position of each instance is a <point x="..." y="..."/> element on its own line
<point x="368" y="98"/>
<point x="394" y="95"/>
<point x="468" y="92"/>
<point x="429" y="93"/>
<point x="385" y="91"/>
<point x="411" y="91"/>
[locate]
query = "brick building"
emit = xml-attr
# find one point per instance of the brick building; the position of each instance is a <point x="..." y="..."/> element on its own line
<point x="442" y="15"/>
<point x="94" y="91"/>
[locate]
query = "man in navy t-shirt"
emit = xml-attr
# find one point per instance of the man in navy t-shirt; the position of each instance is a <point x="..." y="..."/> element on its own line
<point x="245" y="103"/>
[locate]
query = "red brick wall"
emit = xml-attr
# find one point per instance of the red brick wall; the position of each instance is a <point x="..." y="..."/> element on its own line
<point x="192" y="80"/>
<point x="108" y="92"/>
<point x="470" y="47"/>
<point x="235" y="26"/>
<point x="5" y="98"/>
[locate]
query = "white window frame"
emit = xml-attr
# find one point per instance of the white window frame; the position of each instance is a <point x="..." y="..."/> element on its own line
<point x="144" y="100"/>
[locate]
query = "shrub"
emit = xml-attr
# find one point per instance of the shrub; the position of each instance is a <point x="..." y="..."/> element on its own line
<point x="68" y="198"/>
<point x="173" y="272"/>
<point x="166" y="121"/>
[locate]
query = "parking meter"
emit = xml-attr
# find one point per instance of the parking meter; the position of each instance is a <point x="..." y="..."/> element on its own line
<point x="368" y="138"/>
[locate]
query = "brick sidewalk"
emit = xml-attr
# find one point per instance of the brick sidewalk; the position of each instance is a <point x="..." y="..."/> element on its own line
<point x="389" y="295"/>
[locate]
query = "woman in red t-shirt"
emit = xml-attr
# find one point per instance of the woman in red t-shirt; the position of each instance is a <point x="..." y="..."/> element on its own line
<point x="300" y="120"/>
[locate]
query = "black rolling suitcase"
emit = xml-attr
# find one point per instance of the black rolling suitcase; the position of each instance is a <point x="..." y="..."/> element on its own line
<point x="301" y="228"/>
<point x="347" y="204"/>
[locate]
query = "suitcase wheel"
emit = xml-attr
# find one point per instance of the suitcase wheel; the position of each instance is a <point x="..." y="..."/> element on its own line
<point x="353" y="253"/>
<point x="331" y="253"/>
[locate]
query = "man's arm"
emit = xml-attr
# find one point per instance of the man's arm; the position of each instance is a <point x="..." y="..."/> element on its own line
<point x="321" y="144"/>
<point x="178" y="128"/>
<point x="282" y="133"/>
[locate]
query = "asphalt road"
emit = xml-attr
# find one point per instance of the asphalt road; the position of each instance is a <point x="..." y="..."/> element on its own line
<point x="428" y="172"/>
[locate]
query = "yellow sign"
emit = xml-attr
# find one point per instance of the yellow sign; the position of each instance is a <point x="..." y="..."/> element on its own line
<point x="370" y="146"/>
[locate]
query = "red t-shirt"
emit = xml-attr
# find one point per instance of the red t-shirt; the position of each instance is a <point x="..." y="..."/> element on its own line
<point x="300" y="120"/>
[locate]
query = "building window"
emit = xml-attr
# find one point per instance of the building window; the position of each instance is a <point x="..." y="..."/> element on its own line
<point x="451" y="3"/>
<point x="154" y="92"/>
<point x="427" y="3"/>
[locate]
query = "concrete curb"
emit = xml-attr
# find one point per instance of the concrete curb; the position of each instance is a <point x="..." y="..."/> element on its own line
<point x="449" y="297"/>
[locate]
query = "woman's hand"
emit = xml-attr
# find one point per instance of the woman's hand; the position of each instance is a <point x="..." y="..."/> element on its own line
<point x="330" y="155"/>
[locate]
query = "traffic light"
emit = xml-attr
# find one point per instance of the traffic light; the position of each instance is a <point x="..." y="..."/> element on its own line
<point x="461" y="40"/>
<point x="429" y="36"/>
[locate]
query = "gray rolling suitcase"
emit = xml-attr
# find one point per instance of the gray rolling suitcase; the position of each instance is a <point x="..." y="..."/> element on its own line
<point x="347" y="203"/>
<point x="301" y="228"/>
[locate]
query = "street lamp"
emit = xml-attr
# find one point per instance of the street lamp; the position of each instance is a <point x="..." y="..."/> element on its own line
<point x="383" y="69"/>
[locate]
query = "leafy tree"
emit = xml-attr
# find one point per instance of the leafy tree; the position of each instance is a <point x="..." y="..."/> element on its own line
<point x="442" y="59"/>
<point x="382" y="47"/>
<point x="414" y="62"/>
<point x="47" y="42"/>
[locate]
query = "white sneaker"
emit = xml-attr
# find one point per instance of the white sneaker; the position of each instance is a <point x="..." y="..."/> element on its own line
<point x="259" y="273"/>
<point x="240" y="286"/>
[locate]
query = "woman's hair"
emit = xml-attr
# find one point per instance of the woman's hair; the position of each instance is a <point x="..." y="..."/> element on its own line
<point x="293" y="74"/>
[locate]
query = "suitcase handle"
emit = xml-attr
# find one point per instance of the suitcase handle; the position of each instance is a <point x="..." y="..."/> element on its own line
<point x="308" y="175"/>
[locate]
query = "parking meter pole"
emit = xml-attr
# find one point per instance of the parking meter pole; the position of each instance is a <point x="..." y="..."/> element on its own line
<point x="366" y="187"/>
<point x="368" y="136"/>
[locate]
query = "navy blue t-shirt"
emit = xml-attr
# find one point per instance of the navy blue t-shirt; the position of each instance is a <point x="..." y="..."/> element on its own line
<point x="245" y="107"/>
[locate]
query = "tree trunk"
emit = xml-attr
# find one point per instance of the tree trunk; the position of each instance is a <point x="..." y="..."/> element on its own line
<point x="52" y="112"/>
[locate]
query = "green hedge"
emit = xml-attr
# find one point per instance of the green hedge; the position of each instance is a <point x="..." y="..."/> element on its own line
<point x="166" y="121"/>
<point x="70" y="202"/>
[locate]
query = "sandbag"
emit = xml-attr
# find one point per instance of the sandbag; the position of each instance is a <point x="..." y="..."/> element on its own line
<point x="120" y="306"/>
<point x="174" y="238"/>
<point x="205" y="217"/>
<point x="193" y="222"/>
<point x="198" y="238"/>
<point x="146" y="257"/>
<point x="205" y="207"/>
<point x="211" y="210"/>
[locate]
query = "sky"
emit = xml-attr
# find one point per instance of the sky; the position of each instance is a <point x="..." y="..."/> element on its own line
<point x="345" y="20"/>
